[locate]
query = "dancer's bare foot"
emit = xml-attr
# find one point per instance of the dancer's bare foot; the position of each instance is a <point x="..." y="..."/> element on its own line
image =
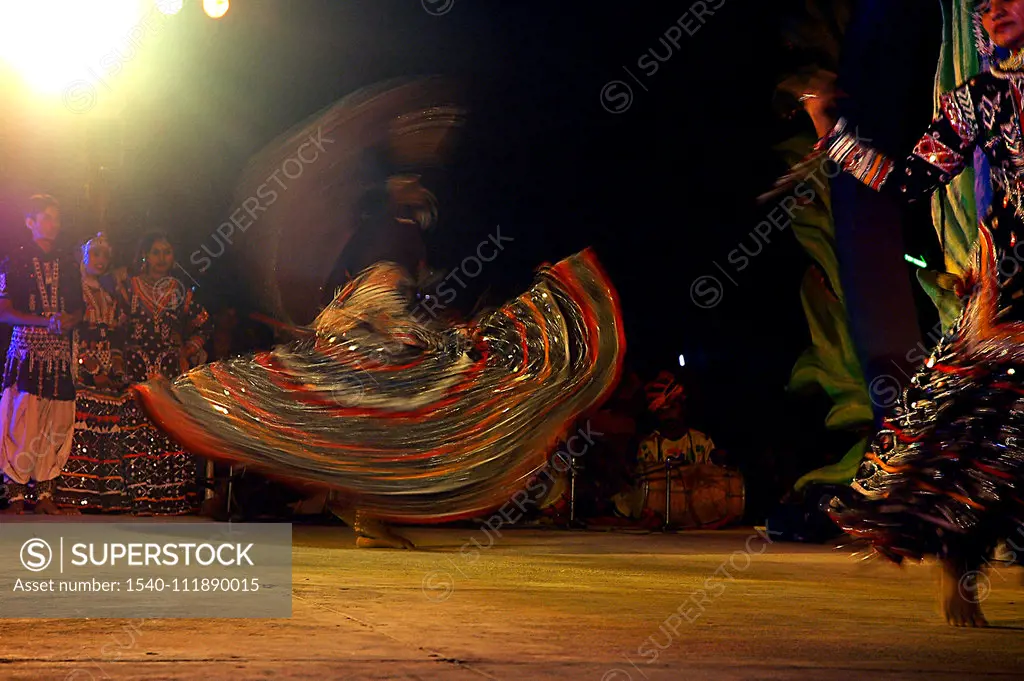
<point x="374" y="533"/>
<point x="47" y="507"/>
<point x="371" y="533"/>
<point x="392" y="541"/>
<point x="15" y="508"/>
<point x="962" y="593"/>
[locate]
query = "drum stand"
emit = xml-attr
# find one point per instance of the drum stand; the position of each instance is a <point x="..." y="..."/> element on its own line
<point x="674" y="464"/>
<point x="574" y="469"/>
<point x="670" y="464"/>
<point x="231" y="486"/>
<point x="668" y="496"/>
<point x="572" y="493"/>
<point x="211" y="482"/>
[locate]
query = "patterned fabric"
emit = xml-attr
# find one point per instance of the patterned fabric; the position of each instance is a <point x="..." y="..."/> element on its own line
<point x="938" y="154"/>
<point x="159" y="475"/>
<point x="16" y="492"/>
<point x="164" y="321"/>
<point x="43" y="284"/>
<point x="944" y="477"/>
<point x="93" y="478"/>
<point x="983" y="113"/>
<point x="693" y="447"/>
<point x="958" y="109"/>
<point x="39" y="363"/>
<point x="100" y="338"/>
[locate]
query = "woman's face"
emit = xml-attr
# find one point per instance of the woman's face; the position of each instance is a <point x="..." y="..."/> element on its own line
<point x="160" y="259"/>
<point x="97" y="260"/>
<point x="1004" y="22"/>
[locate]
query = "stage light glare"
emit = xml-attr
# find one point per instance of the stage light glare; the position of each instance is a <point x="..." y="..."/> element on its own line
<point x="682" y="361"/>
<point x="52" y="43"/>
<point x="215" y="9"/>
<point x="169" y="7"/>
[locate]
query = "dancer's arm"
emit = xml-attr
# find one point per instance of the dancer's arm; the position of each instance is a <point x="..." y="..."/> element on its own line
<point x="200" y="328"/>
<point x="940" y="155"/>
<point x="9" y="315"/>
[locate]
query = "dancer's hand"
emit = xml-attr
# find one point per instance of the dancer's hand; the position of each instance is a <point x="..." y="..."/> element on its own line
<point x="117" y="369"/>
<point x="56" y="325"/>
<point x="818" y="95"/>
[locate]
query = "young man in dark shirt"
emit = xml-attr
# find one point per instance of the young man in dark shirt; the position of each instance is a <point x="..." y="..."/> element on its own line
<point x="41" y="297"/>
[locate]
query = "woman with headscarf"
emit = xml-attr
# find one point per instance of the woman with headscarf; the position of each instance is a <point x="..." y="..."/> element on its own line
<point x="92" y="478"/>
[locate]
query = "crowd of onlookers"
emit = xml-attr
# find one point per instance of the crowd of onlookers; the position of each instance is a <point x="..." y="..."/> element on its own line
<point x="83" y="330"/>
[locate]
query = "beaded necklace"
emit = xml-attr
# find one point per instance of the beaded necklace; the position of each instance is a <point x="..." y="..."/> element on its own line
<point x="100" y="310"/>
<point x="1015" y="62"/>
<point x="51" y="277"/>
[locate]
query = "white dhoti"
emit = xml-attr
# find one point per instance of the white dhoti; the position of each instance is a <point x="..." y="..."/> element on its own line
<point x="36" y="442"/>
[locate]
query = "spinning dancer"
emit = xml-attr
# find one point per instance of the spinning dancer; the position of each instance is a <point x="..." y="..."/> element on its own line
<point x="946" y="477"/>
<point x="406" y="421"/>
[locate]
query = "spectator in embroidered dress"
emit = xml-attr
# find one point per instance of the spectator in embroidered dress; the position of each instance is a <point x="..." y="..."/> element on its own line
<point x="166" y="334"/>
<point x="93" y="479"/>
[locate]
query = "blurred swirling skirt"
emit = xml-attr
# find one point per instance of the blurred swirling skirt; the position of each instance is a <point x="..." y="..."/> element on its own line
<point x="945" y="477"/>
<point x="403" y="418"/>
<point x="93" y="477"/>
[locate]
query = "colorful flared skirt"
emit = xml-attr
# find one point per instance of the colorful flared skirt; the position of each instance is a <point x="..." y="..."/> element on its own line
<point x="405" y="418"/>
<point x="945" y="477"/>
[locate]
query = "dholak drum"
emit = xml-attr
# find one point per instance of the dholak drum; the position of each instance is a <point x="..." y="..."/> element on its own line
<point x="702" y="496"/>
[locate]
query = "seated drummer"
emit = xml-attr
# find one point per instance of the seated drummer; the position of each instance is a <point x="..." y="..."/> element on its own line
<point x="674" y="438"/>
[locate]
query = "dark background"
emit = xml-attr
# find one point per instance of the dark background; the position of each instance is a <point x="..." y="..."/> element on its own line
<point x="663" y="191"/>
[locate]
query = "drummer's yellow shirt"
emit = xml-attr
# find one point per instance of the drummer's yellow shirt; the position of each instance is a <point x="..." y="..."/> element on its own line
<point x="694" y="447"/>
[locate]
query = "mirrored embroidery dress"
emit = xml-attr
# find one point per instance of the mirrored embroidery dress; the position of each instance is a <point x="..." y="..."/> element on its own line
<point x="37" y="409"/>
<point x="164" y="322"/>
<point x="946" y="475"/>
<point x="93" y="477"/>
